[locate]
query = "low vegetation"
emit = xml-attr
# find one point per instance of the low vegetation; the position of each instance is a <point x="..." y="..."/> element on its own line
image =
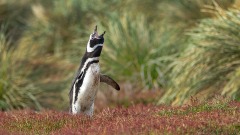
<point x="180" y="48"/>
<point x="219" y="116"/>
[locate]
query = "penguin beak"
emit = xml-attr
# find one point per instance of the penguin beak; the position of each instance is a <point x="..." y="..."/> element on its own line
<point x="102" y="34"/>
<point x="95" y="30"/>
<point x="95" y="33"/>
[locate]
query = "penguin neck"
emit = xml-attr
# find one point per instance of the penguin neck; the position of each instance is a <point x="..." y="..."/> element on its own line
<point x="88" y="57"/>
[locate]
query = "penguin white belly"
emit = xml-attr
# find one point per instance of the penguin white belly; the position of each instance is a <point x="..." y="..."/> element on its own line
<point x="88" y="90"/>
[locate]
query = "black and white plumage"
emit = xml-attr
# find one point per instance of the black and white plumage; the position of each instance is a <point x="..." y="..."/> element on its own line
<point x="86" y="83"/>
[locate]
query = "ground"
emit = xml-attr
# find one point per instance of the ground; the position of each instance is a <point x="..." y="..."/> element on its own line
<point x="211" y="117"/>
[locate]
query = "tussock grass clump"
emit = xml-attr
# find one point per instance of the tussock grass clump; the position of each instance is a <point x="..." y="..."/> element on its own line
<point x="14" y="14"/>
<point x="211" y="63"/>
<point x="142" y="49"/>
<point x="16" y="90"/>
<point x="56" y="30"/>
<point x="192" y="9"/>
<point x="138" y="52"/>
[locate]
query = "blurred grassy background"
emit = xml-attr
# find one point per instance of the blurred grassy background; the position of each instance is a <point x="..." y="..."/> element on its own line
<point x="175" y="48"/>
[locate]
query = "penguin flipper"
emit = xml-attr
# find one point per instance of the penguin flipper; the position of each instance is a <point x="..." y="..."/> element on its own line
<point x="108" y="80"/>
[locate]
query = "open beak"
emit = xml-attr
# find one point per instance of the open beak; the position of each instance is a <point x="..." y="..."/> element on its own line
<point x="96" y="33"/>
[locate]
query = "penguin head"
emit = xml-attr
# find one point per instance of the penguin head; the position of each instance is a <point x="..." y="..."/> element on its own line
<point x="95" y="42"/>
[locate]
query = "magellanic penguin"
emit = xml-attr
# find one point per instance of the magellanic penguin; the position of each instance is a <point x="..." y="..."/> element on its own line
<point x="86" y="82"/>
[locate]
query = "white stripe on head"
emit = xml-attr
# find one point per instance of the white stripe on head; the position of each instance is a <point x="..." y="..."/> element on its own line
<point x="91" y="49"/>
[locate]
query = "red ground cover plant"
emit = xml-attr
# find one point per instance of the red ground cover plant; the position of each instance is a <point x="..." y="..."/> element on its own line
<point x="213" y="117"/>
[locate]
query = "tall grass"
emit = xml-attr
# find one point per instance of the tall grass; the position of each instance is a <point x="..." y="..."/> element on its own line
<point x="16" y="91"/>
<point x="210" y="65"/>
<point x="143" y="42"/>
<point x="137" y="52"/>
<point x="14" y="14"/>
<point x="57" y="30"/>
<point x="188" y="12"/>
<point x="61" y="28"/>
<point x="143" y="49"/>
